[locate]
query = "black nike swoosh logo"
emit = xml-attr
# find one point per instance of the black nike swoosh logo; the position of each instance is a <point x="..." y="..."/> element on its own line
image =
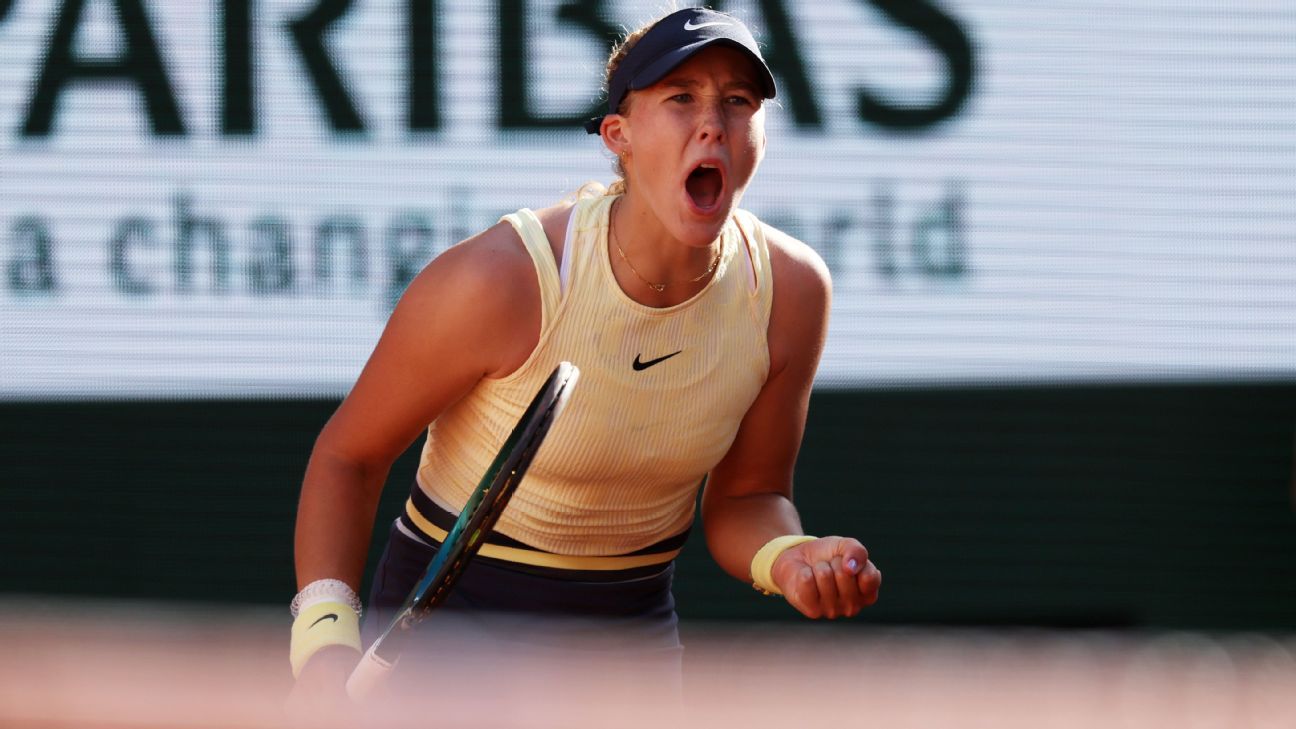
<point x="325" y="617"/>
<point x="640" y="366"/>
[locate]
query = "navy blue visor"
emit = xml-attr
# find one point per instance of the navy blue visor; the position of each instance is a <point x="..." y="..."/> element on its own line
<point x="673" y="40"/>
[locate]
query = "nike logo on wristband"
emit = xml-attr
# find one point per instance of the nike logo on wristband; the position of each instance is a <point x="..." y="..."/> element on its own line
<point x="324" y="617"/>
<point x="641" y="366"/>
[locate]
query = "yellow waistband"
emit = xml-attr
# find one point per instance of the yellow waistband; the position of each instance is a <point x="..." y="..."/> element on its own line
<point x="545" y="559"/>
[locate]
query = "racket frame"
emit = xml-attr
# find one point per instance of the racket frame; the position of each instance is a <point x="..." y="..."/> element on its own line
<point x="475" y="521"/>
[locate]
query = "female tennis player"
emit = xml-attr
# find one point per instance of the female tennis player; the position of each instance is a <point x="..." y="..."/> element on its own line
<point x="697" y="330"/>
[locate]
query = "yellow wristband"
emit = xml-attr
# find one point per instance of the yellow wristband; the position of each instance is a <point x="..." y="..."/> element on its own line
<point x="322" y="624"/>
<point x="763" y="562"/>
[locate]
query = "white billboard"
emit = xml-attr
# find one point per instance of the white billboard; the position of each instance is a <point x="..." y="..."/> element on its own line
<point x="224" y="199"/>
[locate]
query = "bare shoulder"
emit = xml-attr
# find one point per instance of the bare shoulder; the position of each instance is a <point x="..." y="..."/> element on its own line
<point x="799" y="271"/>
<point x="798" y="323"/>
<point x="494" y="268"/>
<point x="492" y="259"/>
<point x="473" y="312"/>
<point x="487" y="281"/>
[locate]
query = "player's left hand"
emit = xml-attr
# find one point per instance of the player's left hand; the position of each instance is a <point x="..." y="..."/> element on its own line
<point x="830" y="577"/>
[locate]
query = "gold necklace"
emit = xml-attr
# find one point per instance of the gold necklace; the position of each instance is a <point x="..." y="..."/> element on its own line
<point x="660" y="287"/>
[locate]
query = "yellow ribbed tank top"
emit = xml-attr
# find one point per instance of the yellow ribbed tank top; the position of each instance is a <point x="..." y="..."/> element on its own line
<point x="620" y="470"/>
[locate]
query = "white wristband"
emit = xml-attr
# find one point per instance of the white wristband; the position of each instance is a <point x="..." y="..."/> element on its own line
<point x="328" y="590"/>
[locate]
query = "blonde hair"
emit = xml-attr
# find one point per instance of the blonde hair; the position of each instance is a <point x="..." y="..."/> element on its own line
<point x="619" y="52"/>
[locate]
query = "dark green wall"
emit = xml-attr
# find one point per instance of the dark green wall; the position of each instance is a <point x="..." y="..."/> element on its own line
<point x="1160" y="507"/>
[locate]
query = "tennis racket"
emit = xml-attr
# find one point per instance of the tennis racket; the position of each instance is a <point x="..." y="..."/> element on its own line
<point x="479" y="515"/>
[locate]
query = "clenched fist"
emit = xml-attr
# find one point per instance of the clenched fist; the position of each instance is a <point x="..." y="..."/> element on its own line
<point x="830" y="577"/>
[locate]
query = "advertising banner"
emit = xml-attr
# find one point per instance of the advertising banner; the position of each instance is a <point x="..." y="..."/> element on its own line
<point x="226" y="198"/>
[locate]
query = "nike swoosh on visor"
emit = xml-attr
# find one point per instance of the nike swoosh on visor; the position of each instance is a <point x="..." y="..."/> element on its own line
<point x="688" y="24"/>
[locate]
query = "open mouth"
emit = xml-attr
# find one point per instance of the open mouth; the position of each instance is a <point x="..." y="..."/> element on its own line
<point x="705" y="185"/>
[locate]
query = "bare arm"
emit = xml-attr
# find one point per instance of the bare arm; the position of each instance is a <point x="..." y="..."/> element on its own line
<point x="748" y="498"/>
<point x="472" y="313"/>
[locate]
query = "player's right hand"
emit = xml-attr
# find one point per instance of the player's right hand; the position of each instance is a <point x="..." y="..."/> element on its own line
<point x="320" y="691"/>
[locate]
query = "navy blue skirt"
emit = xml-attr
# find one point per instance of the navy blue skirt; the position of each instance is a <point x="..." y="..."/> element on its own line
<point x="494" y="614"/>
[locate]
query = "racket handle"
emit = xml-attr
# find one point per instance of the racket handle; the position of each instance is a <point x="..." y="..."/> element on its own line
<point x="368" y="674"/>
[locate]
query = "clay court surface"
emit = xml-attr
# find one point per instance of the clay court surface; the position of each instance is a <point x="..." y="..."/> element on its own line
<point x="120" y="666"/>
